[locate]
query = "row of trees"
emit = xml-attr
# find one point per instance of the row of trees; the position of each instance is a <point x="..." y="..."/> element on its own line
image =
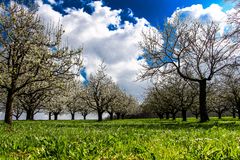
<point x="100" y="95"/>
<point x="197" y="51"/>
<point x="172" y="94"/>
<point x="39" y="73"/>
<point x="103" y="95"/>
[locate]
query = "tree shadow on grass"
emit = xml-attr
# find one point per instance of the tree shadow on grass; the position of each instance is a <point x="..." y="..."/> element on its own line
<point x="156" y="124"/>
<point x="173" y="125"/>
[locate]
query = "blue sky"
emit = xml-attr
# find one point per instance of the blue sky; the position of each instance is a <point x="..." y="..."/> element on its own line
<point x="155" y="11"/>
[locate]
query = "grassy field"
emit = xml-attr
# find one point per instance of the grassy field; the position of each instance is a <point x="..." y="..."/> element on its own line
<point x="121" y="139"/>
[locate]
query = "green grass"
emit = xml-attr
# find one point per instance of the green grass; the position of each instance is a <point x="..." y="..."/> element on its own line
<point x="121" y="139"/>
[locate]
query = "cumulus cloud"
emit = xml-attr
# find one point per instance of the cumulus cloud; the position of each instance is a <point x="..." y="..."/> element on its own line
<point x="52" y="1"/>
<point x="118" y="48"/>
<point x="214" y="13"/>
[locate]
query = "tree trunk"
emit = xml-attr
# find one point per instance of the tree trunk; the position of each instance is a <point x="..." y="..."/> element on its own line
<point x="30" y="114"/>
<point x="219" y="115"/>
<point x="85" y="116"/>
<point x="72" y="116"/>
<point x="55" y="116"/>
<point x="111" y="115"/>
<point x="196" y="116"/>
<point x="122" y="116"/>
<point x="238" y="108"/>
<point x="202" y="99"/>
<point x="9" y="109"/>
<point x="118" y="115"/>
<point x="167" y="115"/>
<point x="100" y="115"/>
<point x="234" y="113"/>
<point x="173" y="116"/>
<point x="184" y="114"/>
<point x="17" y="118"/>
<point x="160" y="115"/>
<point x="49" y="116"/>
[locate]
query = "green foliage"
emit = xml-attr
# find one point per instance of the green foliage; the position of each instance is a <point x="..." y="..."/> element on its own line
<point x="121" y="139"/>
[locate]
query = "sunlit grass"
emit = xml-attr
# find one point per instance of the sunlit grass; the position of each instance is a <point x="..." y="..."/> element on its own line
<point x="121" y="139"/>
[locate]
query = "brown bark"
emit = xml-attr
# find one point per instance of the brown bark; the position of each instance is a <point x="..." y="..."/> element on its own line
<point x="118" y="115"/>
<point x="234" y="113"/>
<point x="196" y="115"/>
<point x="9" y="109"/>
<point x="110" y="115"/>
<point x="122" y="116"/>
<point x="49" y="116"/>
<point x="219" y="115"/>
<point x="55" y="116"/>
<point x="184" y="115"/>
<point x="202" y="99"/>
<point x="100" y="115"/>
<point x="238" y="109"/>
<point x="72" y="116"/>
<point x="30" y="115"/>
<point x="160" y="115"/>
<point x="173" y="116"/>
<point x="167" y="115"/>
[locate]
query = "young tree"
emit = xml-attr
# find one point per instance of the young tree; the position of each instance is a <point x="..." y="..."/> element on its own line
<point x="231" y="85"/>
<point x="56" y="105"/>
<point x="217" y="101"/>
<point x="182" y="92"/>
<point x="80" y="103"/>
<point x="125" y="104"/>
<point x="195" y="110"/>
<point x="98" y="93"/>
<point x="17" y="109"/>
<point x="195" y="50"/>
<point x="30" y="53"/>
<point x="172" y="94"/>
<point x="133" y="107"/>
<point x="73" y="88"/>
<point x="74" y="92"/>
<point x="169" y="100"/>
<point x="85" y="110"/>
<point x="112" y="106"/>
<point x="32" y="98"/>
<point x="72" y="108"/>
<point x="152" y="103"/>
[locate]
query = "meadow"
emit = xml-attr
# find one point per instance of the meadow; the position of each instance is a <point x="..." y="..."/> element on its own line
<point x="121" y="139"/>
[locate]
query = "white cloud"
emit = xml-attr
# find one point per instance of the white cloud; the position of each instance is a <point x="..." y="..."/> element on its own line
<point x="48" y="14"/>
<point x="119" y="48"/>
<point x="52" y="1"/>
<point x="213" y="13"/>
